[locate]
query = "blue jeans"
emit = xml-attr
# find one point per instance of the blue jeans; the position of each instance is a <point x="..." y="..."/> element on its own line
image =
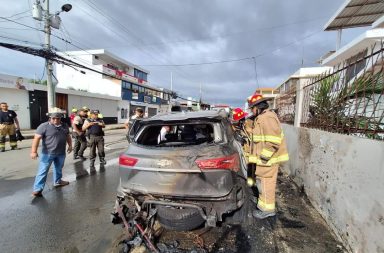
<point x="44" y="164"/>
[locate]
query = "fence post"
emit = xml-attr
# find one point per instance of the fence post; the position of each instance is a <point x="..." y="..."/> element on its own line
<point x="299" y="102"/>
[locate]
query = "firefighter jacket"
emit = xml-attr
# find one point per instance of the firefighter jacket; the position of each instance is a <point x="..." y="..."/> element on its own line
<point x="248" y="125"/>
<point x="268" y="141"/>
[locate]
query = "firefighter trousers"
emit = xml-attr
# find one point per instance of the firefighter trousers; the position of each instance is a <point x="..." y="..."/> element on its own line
<point x="96" y="142"/>
<point x="266" y="178"/>
<point x="8" y="130"/>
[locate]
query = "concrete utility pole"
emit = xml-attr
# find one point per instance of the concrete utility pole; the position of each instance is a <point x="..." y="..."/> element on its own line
<point x="50" y="21"/>
<point x="48" y="63"/>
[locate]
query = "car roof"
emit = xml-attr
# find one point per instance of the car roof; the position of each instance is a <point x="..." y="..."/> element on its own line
<point x="176" y="116"/>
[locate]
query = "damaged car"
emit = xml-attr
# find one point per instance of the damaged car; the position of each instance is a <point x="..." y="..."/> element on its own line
<point x="185" y="170"/>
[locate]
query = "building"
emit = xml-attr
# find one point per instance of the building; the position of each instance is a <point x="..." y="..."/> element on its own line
<point x="286" y="100"/>
<point x="29" y="100"/>
<point x="353" y="14"/>
<point x="268" y="93"/>
<point x="114" y="77"/>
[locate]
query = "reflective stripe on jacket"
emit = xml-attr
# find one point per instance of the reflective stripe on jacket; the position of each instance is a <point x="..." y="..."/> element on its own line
<point x="268" y="146"/>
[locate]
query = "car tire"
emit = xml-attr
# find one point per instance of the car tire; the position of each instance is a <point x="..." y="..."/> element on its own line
<point x="179" y="219"/>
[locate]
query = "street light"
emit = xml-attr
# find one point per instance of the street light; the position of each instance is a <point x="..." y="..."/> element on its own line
<point x="66" y="7"/>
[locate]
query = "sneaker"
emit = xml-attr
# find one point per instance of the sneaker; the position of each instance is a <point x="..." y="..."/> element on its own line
<point x="61" y="183"/>
<point x="37" y="194"/>
<point x="262" y="215"/>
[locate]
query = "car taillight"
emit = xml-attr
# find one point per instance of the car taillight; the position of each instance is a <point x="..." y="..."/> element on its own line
<point x="231" y="162"/>
<point x="127" y="161"/>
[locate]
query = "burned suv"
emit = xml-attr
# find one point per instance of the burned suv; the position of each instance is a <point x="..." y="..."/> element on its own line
<point x="184" y="169"/>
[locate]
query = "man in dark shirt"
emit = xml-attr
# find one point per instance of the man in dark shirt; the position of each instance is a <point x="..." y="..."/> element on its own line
<point x="8" y="126"/>
<point x="54" y="135"/>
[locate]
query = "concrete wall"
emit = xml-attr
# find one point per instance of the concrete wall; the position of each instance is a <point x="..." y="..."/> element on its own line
<point x="107" y="107"/>
<point x="343" y="177"/>
<point x="17" y="100"/>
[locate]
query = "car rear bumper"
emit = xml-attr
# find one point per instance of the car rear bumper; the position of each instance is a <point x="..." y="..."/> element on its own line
<point x="211" y="209"/>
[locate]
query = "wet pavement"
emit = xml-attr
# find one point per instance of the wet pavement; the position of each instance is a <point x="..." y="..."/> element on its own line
<point x="76" y="218"/>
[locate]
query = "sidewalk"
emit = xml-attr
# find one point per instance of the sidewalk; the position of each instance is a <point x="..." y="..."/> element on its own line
<point x="29" y="133"/>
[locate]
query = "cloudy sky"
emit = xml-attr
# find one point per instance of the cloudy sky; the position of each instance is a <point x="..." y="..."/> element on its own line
<point x="159" y="34"/>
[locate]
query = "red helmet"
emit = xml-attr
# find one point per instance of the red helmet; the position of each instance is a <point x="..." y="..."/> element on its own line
<point x="238" y="114"/>
<point x="256" y="99"/>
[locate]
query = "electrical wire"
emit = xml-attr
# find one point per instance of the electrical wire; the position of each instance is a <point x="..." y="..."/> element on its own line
<point x="234" y="60"/>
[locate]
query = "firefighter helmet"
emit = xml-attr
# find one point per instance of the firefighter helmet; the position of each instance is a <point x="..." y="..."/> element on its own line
<point x="256" y="99"/>
<point x="238" y="114"/>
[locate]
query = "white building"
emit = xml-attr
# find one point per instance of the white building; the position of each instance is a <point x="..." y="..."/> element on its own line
<point x="29" y="100"/>
<point x="114" y="77"/>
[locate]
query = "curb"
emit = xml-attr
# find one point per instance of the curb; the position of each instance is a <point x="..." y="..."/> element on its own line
<point x="30" y="136"/>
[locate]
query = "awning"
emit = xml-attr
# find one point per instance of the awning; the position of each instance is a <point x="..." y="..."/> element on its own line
<point x="356" y="13"/>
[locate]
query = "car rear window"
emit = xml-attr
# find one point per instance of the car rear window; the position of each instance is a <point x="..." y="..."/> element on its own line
<point x="170" y="135"/>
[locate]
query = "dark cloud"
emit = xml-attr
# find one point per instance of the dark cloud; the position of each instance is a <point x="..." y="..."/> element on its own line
<point x="282" y="34"/>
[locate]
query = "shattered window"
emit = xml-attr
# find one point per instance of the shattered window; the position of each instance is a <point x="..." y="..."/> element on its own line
<point x="169" y="135"/>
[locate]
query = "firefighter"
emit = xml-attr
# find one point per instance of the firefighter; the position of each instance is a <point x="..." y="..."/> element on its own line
<point x="94" y="126"/>
<point x="267" y="151"/>
<point x="9" y="124"/>
<point x="243" y="124"/>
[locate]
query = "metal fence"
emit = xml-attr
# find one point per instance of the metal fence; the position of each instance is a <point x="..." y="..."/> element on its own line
<point x="350" y="98"/>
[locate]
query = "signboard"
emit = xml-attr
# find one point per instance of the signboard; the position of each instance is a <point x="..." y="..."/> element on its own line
<point x="14" y="82"/>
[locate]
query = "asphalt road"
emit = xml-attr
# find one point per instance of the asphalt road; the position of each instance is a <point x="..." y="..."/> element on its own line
<point x="76" y="218"/>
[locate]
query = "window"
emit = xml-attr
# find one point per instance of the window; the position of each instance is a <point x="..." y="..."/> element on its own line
<point x="141" y="89"/>
<point x="140" y="74"/>
<point x="126" y="85"/>
<point x="180" y="134"/>
<point x="135" y="88"/>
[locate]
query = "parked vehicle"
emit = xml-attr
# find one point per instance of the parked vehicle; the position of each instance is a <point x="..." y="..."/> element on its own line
<point x="184" y="168"/>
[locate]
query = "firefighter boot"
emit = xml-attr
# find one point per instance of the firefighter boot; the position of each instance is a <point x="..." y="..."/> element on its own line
<point x="258" y="214"/>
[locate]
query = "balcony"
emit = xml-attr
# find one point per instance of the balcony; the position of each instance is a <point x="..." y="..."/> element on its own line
<point x="123" y="75"/>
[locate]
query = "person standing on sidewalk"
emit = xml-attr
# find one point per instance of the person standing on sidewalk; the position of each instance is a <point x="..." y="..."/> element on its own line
<point x="94" y="127"/>
<point x="9" y="124"/>
<point x="268" y="150"/>
<point x="54" y="135"/>
<point x="79" y="135"/>
<point x="139" y="114"/>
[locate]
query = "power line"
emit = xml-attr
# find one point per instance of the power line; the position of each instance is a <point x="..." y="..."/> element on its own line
<point x="233" y="60"/>
<point x="224" y="35"/>
<point x="18" y="18"/>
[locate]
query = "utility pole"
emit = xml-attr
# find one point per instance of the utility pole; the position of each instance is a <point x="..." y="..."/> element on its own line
<point x="50" y="21"/>
<point x="48" y="63"/>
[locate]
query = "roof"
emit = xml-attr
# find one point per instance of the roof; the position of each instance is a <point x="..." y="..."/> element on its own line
<point x="107" y="55"/>
<point x="356" y="13"/>
<point x="367" y="40"/>
<point x="175" y="116"/>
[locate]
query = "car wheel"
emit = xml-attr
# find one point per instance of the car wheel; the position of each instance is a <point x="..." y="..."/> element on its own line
<point x="179" y="219"/>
